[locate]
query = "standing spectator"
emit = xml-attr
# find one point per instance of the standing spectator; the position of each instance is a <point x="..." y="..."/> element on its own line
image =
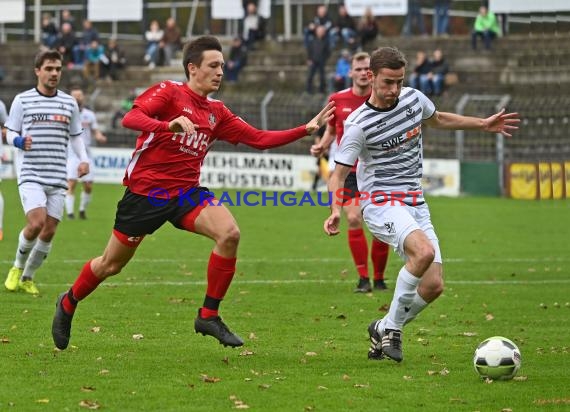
<point x="65" y="44"/>
<point x="153" y="37"/>
<point x="347" y="102"/>
<point x="441" y="17"/>
<point x="43" y="161"/>
<point x="486" y="26"/>
<point x="419" y="78"/>
<point x="438" y="70"/>
<point x="178" y="123"/>
<point x="414" y="18"/>
<point x="49" y="31"/>
<point x="237" y="59"/>
<point x="345" y="28"/>
<point x="114" y="60"/>
<point x="367" y="27"/>
<point x="385" y="135"/>
<point x="253" y="26"/>
<point x="92" y="61"/>
<point x="318" y="53"/>
<point x="172" y="40"/>
<point x="341" y="76"/>
<point x="321" y="19"/>
<point x="90" y="129"/>
<point x="3" y="117"/>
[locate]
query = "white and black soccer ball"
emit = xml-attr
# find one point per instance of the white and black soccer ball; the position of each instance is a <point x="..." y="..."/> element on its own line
<point x="497" y="358"/>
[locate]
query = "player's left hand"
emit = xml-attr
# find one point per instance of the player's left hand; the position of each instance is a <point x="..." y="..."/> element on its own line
<point x="82" y="169"/>
<point x="502" y="122"/>
<point x="331" y="225"/>
<point x="320" y="119"/>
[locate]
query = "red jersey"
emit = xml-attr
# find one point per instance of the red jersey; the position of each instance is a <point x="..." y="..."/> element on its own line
<point x="346" y="102"/>
<point x="172" y="161"/>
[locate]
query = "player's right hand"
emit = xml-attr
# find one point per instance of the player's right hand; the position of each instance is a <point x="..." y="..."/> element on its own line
<point x="317" y="150"/>
<point x="331" y="225"/>
<point x="181" y="124"/>
<point x="28" y="143"/>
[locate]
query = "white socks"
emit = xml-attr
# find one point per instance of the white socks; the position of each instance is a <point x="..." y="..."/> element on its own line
<point x="1" y="210"/>
<point x="404" y="294"/>
<point x="37" y="256"/>
<point x="84" y="200"/>
<point x="418" y="304"/>
<point x="22" y="253"/>
<point x="69" y="203"/>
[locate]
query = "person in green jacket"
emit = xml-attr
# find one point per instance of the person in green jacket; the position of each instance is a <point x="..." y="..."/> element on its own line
<point x="486" y="26"/>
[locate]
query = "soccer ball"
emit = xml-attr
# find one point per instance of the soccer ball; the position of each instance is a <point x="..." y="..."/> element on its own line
<point x="497" y="358"/>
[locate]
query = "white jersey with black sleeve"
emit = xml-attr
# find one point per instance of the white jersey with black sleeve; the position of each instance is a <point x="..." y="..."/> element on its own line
<point x="388" y="146"/>
<point x="51" y="121"/>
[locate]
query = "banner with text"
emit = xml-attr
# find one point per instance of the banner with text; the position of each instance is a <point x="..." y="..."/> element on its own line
<point x="264" y="171"/>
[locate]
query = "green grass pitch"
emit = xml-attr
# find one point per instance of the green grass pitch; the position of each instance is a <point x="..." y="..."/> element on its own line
<point x="507" y="271"/>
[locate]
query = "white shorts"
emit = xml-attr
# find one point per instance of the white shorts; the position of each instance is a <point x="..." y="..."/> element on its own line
<point x="34" y="195"/>
<point x="392" y="224"/>
<point x="73" y="164"/>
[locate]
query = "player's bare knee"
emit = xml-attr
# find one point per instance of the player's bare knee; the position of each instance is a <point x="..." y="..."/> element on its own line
<point x="424" y="256"/>
<point x="229" y="237"/>
<point x="34" y="228"/>
<point x="354" y="220"/>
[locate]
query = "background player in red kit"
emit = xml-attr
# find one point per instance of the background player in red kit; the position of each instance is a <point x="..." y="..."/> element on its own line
<point x="346" y="101"/>
<point x="178" y="124"/>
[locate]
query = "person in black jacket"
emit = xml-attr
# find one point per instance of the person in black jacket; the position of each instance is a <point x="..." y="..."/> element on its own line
<point x="438" y="70"/>
<point x="419" y="77"/>
<point x="318" y="52"/>
<point x="237" y="59"/>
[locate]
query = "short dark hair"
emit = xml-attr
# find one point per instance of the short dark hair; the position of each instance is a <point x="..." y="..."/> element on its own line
<point x="194" y="51"/>
<point x="387" y="58"/>
<point x="44" y="55"/>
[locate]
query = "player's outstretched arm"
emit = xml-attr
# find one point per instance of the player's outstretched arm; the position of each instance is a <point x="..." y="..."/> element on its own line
<point x="235" y="130"/>
<point x="336" y="182"/>
<point x="500" y="122"/>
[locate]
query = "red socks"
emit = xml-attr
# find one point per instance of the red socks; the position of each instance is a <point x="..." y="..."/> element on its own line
<point x="379" y="256"/>
<point x="220" y="274"/>
<point x="85" y="283"/>
<point x="359" y="249"/>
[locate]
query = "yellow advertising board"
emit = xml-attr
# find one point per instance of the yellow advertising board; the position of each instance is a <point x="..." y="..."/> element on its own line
<point x="544" y="180"/>
<point x="557" y="171"/>
<point x="567" y="179"/>
<point x="522" y="181"/>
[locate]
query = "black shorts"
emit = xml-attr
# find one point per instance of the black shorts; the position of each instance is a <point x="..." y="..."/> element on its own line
<point x="350" y="187"/>
<point x="139" y="215"/>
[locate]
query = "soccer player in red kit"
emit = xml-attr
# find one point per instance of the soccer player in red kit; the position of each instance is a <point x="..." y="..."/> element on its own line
<point x="346" y="101"/>
<point x="178" y="124"/>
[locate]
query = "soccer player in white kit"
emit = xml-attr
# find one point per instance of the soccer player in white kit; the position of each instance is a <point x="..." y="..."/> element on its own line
<point x="3" y="117"/>
<point x="385" y="136"/>
<point x="90" y="129"/>
<point x="41" y="123"/>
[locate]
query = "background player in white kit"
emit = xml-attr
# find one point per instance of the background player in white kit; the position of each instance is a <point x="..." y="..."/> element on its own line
<point x="90" y="130"/>
<point x="42" y="122"/>
<point x="3" y="117"/>
<point x="385" y="135"/>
